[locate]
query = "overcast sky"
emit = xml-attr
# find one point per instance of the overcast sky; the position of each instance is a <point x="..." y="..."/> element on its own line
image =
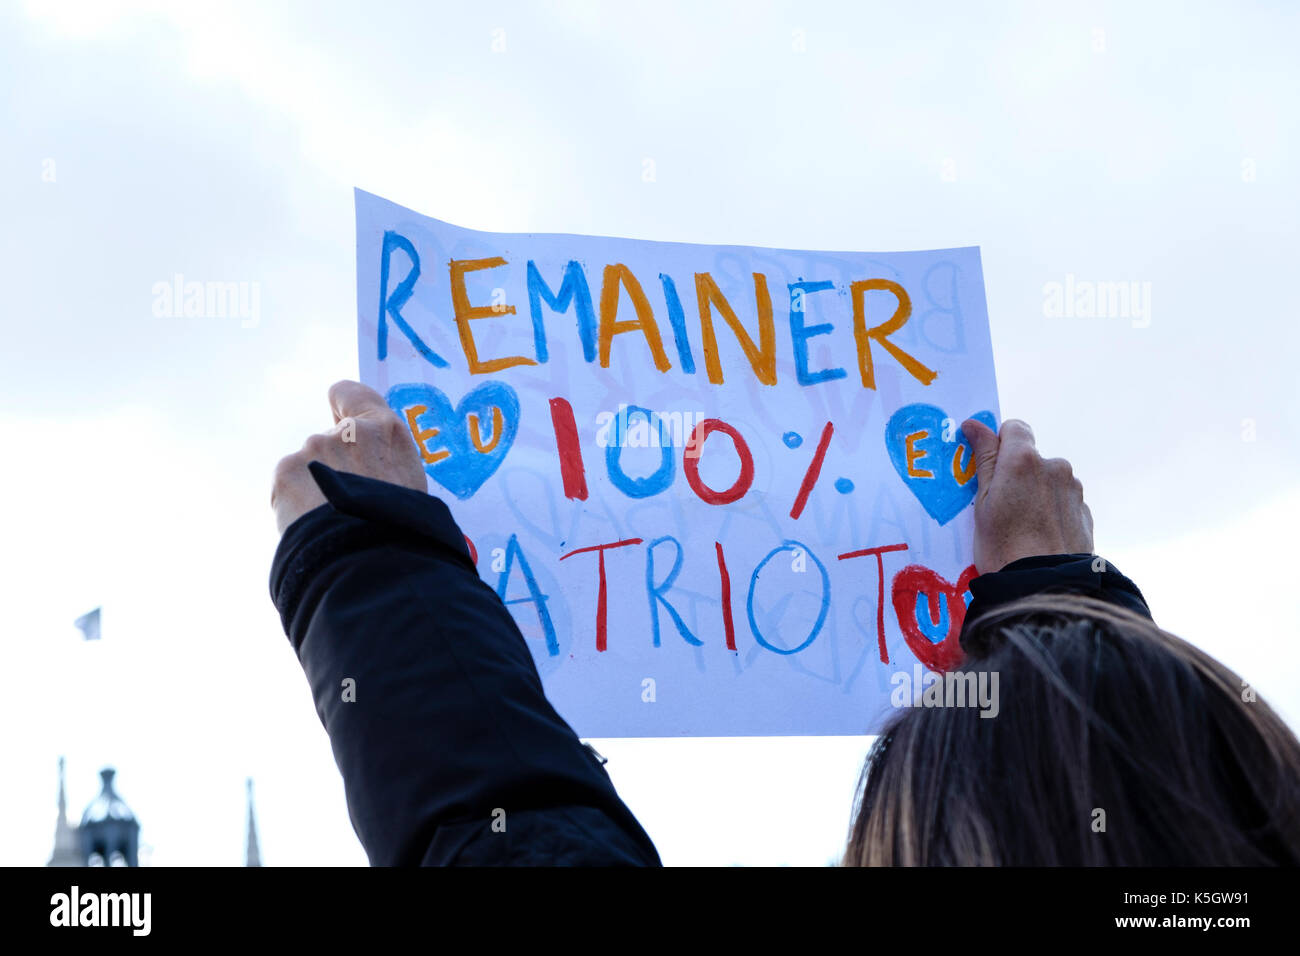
<point x="1147" y="143"/>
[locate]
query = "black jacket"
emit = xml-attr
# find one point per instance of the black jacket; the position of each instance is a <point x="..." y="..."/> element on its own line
<point x="449" y="751"/>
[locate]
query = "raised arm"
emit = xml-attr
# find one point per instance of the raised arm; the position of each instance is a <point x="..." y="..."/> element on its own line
<point x="449" y="751"/>
<point x="1033" y="531"/>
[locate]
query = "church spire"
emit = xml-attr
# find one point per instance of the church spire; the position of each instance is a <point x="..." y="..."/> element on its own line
<point x="252" y="857"/>
<point x="67" y="846"/>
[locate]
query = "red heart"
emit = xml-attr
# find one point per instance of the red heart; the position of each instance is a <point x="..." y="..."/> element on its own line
<point x="917" y="579"/>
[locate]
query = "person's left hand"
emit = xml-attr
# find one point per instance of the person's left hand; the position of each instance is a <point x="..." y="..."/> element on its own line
<point x="367" y="439"/>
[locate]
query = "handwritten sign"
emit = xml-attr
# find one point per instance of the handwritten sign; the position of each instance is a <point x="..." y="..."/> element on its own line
<point x="723" y="490"/>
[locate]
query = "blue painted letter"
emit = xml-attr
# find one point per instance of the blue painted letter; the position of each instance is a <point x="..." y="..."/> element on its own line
<point x="390" y="304"/>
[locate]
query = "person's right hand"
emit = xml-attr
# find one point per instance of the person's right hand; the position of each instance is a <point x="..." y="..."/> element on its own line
<point x="1025" y="505"/>
<point x="367" y="439"/>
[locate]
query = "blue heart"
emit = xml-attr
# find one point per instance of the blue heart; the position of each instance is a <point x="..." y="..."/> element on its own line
<point x="465" y="453"/>
<point x="931" y="472"/>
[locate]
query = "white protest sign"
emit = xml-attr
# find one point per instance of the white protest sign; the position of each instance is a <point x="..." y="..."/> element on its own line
<point x="723" y="490"/>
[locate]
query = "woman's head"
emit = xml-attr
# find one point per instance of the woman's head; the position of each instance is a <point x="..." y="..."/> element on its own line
<point x="1114" y="743"/>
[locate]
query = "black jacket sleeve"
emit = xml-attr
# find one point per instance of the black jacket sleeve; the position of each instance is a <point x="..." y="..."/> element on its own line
<point x="1059" y="573"/>
<point x="449" y="751"/>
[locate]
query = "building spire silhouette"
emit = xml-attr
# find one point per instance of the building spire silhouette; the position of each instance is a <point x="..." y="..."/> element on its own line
<point x="252" y="856"/>
<point x="109" y="831"/>
<point x="67" y="844"/>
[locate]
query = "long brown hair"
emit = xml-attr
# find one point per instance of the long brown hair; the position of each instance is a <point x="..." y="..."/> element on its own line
<point x="1114" y="743"/>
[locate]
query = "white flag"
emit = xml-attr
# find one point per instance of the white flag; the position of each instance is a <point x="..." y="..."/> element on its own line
<point x="89" y="625"/>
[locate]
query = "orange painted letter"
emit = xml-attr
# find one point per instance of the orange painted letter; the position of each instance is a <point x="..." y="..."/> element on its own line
<point x="763" y="358"/>
<point x="644" y="321"/>
<point x="476" y="431"/>
<point x="423" y="435"/>
<point x="881" y="333"/>
<point x="466" y="313"/>
<point x="915" y="454"/>
<point x="962" y="475"/>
